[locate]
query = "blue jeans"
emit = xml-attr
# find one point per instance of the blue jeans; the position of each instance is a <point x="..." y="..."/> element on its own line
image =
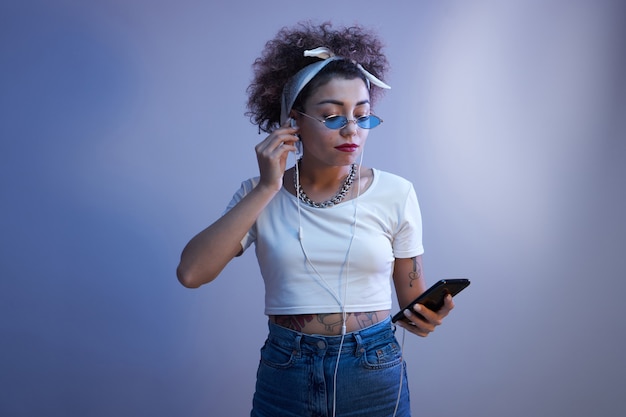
<point x="297" y="371"/>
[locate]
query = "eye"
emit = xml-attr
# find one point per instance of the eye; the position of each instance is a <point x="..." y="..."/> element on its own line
<point x="335" y="122"/>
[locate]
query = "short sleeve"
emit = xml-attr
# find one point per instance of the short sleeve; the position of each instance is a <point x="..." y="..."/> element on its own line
<point x="407" y="239"/>
<point x="244" y="189"/>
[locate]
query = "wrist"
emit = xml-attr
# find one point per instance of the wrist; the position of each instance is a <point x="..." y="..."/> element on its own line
<point x="267" y="190"/>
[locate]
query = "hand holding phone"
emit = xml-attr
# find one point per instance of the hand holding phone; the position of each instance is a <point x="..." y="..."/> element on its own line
<point x="434" y="297"/>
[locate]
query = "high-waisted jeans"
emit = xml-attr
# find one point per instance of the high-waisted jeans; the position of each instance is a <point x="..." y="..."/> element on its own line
<point x="297" y="372"/>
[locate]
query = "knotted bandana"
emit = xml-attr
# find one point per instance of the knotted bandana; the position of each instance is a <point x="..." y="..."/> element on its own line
<point x="295" y="85"/>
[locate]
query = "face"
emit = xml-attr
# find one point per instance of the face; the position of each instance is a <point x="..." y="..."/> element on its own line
<point x="349" y="98"/>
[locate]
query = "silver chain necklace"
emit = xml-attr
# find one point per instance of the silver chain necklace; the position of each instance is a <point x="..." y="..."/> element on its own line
<point x="336" y="199"/>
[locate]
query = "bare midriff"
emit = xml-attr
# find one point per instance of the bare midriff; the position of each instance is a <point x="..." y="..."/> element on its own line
<point x="329" y="324"/>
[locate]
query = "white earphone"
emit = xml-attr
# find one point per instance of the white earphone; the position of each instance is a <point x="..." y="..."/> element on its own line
<point x="339" y="298"/>
<point x="297" y="144"/>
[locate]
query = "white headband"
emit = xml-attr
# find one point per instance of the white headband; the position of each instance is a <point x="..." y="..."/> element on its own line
<point x="295" y="85"/>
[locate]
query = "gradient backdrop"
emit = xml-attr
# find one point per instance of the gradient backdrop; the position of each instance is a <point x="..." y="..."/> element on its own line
<point x="123" y="134"/>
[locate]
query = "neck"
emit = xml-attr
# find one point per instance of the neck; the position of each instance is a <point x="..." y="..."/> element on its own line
<point x="332" y="192"/>
<point x="321" y="178"/>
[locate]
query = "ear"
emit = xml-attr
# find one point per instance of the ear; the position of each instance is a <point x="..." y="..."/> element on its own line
<point x="294" y="115"/>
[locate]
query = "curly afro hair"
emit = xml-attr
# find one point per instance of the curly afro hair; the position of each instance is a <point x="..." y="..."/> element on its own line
<point x="283" y="56"/>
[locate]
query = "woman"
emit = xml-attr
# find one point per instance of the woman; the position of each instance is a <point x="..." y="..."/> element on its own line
<point x="329" y="233"/>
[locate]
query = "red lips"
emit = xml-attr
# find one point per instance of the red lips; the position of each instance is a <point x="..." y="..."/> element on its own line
<point x="348" y="147"/>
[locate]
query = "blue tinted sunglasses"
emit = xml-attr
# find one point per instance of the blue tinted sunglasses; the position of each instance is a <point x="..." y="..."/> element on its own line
<point x="339" y="122"/>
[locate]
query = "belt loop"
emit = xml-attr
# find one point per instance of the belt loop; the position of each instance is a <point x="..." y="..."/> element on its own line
<point x="359" y="348"/>
<point x="296" y="344"/>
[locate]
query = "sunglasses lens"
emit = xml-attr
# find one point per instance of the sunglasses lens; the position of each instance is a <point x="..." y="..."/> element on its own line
<point x="368" y="122"/>
<point x="335" y="122"/>
<point x="365" y="122"/>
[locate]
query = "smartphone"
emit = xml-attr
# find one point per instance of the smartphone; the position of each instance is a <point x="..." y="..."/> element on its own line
<point x="433" y="298"/>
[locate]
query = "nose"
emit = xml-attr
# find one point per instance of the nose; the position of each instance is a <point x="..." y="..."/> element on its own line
<point x="350" y="129"/>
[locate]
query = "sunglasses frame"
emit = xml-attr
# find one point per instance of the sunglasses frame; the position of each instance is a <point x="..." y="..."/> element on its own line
<point x="355" y="121"/>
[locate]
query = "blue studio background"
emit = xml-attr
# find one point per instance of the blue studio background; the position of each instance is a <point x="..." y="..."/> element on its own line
<point x="122" y="135"/>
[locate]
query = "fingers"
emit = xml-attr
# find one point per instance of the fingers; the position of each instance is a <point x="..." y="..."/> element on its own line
<point x="448" y="305"/>
<point x="276" y="144"/>
<point x="272" y="153"/>
<point x="423" y="321"/>
<point x="413" y="327"/>
<point x="279" y="142"/>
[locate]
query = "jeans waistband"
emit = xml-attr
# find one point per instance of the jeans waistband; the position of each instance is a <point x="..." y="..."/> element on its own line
<point x="297" y="340"/>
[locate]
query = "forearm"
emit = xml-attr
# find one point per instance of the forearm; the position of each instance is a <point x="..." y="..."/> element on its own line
<point x="207" y="253"/>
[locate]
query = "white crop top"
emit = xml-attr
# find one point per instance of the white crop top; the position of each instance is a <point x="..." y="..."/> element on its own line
<point x="388" y="226"/>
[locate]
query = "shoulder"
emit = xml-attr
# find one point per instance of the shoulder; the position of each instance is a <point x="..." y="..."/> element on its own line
<point x="388" y="179"/>
<point x="248" y="184"/>
<point x="392" y="190"/>
<point x="244" y="188"/>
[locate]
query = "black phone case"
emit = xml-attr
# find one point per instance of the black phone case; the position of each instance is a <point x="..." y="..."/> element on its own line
<point x="433" y="298"/>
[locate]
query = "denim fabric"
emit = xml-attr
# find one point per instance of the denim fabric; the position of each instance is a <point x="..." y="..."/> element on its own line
<point x="296" y="374"/>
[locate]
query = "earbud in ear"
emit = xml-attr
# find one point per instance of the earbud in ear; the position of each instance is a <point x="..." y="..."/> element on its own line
<point x="298" y="144"/>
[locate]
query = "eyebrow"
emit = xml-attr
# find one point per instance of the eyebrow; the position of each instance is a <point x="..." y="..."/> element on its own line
<point x="340" y="103"/>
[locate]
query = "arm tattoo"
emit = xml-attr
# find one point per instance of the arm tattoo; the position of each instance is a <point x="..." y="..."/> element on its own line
<point x="416" y="273"/>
